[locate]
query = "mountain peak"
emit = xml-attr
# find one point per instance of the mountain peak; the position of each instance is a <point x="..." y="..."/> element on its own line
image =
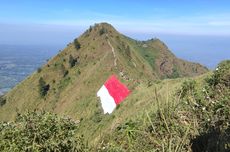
<point x="99" y="29"/>
<point x="104" y="25"/>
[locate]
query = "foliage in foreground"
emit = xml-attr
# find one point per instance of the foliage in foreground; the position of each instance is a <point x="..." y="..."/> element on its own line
<point x="40" y="131"/>
<point x="197" y="120"/>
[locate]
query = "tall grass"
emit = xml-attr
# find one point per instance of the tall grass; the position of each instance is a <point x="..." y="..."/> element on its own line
<point x="194" y="118"/>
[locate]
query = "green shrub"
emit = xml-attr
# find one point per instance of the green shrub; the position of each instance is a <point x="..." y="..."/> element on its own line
<point x="66" y="72"/>
<point x="77" y="44"/>
<point x="39" y="70"/>
<point x="2" y="100"/>
<point x="102" y="31"/>
<point x="97" y="117"/>
<point x="43" y="87"/>
<point x="72" y="61"/>
<point x="41" y="131"/>
<point x="78" y="72"/>
<point x="64" y="83"/>
<point x="175" y="73"/>
<point x="187" y="87"/>
<point x="90" y="28"/>
<point x="221" y="75"/>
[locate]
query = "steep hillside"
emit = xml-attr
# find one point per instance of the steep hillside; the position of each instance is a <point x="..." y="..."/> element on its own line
<point x="163" y="62"/>
<point x="68" y="83"/>
<point x="190" y="115"/>
<point x="172" y="115"/>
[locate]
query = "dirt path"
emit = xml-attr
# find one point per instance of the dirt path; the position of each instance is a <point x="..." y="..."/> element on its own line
<point x="114" y="55"/>
<point x="121" y="73"/>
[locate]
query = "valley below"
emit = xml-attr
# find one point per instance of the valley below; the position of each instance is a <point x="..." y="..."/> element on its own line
<point x="19" y="61"/>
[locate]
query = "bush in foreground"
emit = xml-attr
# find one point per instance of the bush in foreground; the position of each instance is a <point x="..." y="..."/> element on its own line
<point x="40" y="131"/>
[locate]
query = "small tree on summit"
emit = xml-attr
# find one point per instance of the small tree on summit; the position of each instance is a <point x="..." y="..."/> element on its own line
<point x="90" y="28"/>
<point x="43" y="87"/>
<point x="77" y="44"/>
<point x="102" y="31"/>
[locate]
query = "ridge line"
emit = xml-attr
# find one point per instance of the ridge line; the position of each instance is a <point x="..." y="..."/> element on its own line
<point x="113" y="51"/>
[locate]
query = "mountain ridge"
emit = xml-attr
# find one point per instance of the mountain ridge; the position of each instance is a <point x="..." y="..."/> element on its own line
<point x="99" y="52"/>
<point x="71" y="79"/>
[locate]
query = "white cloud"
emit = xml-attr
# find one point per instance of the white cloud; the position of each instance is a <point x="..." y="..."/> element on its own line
<point x="219" y="23"/>
<point x="198" y="24"/>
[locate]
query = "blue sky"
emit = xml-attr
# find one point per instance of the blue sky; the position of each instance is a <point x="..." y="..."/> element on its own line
<point x="25" y="19"/>
<point x="197" y="26"/>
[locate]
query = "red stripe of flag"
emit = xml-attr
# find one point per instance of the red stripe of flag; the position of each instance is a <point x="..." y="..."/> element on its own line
<point x="116" y="89"/>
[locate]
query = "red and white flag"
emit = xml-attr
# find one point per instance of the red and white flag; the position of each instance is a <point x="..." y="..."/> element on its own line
<point x="112" y="93"/>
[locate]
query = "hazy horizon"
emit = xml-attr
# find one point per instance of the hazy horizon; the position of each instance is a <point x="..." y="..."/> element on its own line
<point x="205" y="49"/>
<point x="198" y="31"/>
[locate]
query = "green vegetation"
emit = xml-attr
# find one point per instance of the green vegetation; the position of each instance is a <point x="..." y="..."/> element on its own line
<point x="196" y="120"/>
<point x="72" y="91"/>
<point x="43" y="87"/>
<point x="2" y="100"/>
<point x="77" y="44"/>
<point x="90" y="28"/>
<point x="72" y="61"/>
<point x="221" y="75"/>
<point x="39" y="70"/>
<point x="194" y="116"/>
<point x="102" y="31"/>
<point x="175" y="73"/>
<point x="40" y="131"/>
<point x="78" y="72"/>
<point x="145" y="51"/>
<point x="64" y="71"/>
<point x="64" y="83"/>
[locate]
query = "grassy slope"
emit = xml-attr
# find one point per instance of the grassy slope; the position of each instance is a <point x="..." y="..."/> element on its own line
<point x="183" y="115"/>
<point x="75" y="94"/>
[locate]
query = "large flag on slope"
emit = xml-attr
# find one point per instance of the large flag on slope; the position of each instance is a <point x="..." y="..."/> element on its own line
<point x="112" y="93"/>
